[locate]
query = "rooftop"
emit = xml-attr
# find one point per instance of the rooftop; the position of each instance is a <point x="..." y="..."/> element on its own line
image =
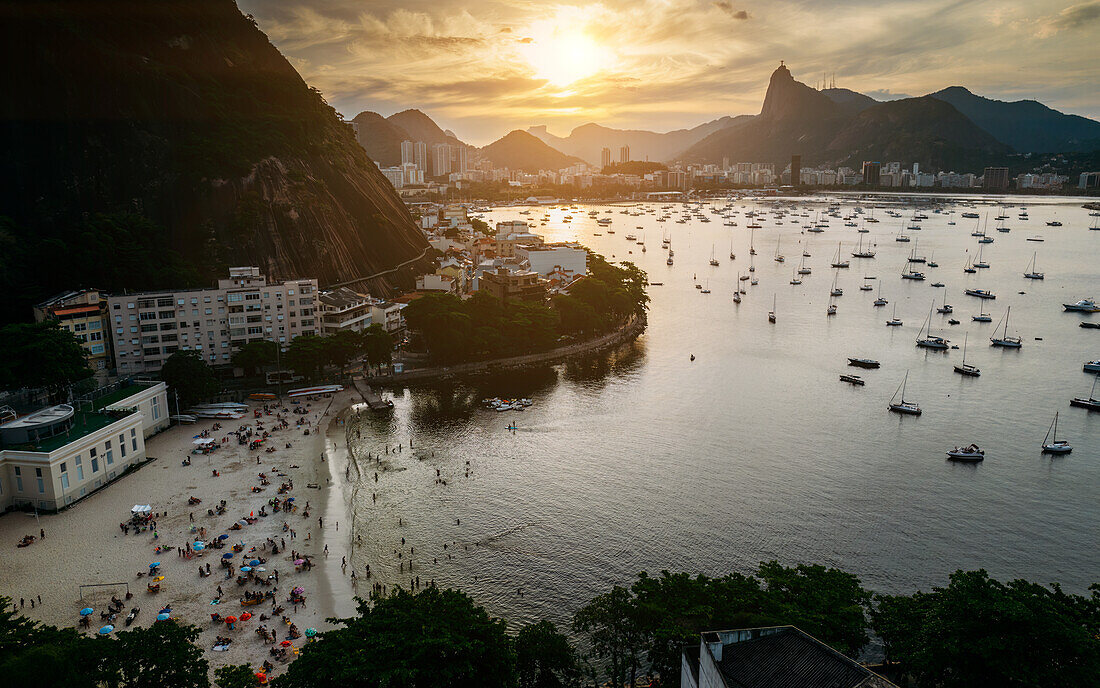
<point x="84" y="423"/>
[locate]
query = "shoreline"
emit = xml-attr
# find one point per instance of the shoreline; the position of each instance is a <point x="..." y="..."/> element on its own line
<point x="628" y="331"/>
<point x="84" y="544"/>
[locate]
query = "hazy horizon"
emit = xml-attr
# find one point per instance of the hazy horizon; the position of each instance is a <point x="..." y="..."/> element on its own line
<point x="487" y="67"/>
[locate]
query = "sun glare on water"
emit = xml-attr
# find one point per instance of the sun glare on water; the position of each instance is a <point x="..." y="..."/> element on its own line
<point x="563" y="55"/>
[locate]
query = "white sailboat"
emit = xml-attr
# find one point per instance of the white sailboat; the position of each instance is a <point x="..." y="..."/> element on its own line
<point x="903" y="406"/>
<point x="1030" y="272"/>
<point x="928" y="340"/>
<point x="837" y="262"/>
<point x="836" y="291"/>
<point x="779" y="258"/>
<point x="1055" y="446"/>
<point x="880" y="301"/>
<point x="965" y="368"/>
<point x="894" y="321"/>
<point x="1004" y="340"/>
<point x="771" y="313"/>
<point x="752" y="235"/>
<point x="713" y="260"/>
<point x="945" y="308"/>
<point x="860" y="253"/>
<point x="732" y="256"/>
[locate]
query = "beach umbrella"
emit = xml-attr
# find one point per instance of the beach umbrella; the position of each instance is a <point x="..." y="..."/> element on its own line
<point x="198" y="546"/>
<point x="223" y="536"/>
<point x="231" y="619"/>
<point x="298" y="591"/>
<point x="227" y="555"/>
<point x="242" y="522"/>
<point x="165" y="610"/>
<point x="310" y="632"/>
<point x="158" y="579"/>
<point x="261" y="677"/>
<point x="106" y="629"/>
<point x="163" y="617"/>
<point x="285" y="643"/>
<point x="299" y="562"/>
<point x="254" y="562"/>
<point x="246" y="616"/>
<point x="86" y="611"/>
<point x="154" y="564"/>
<point x="246" y="569"/>
<point x="259" y="568"/>
<point x="290" y="499"/>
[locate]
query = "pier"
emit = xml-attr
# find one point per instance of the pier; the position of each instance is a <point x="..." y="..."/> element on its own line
<point x="373" y="399"/>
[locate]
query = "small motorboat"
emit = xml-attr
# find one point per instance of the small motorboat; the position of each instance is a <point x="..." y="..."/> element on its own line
<point x="1090" y="325"/>
<point x="1082" y="306"/>
<point x="853" y="379"/>
<point x="971" y="454"/>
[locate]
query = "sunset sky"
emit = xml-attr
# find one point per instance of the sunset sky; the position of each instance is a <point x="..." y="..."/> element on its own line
<point x="484" y="67"/>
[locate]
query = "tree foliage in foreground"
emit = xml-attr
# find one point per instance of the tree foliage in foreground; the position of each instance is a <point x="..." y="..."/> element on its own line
<point x="40" y="355"/>
<point x="189" y="376"/>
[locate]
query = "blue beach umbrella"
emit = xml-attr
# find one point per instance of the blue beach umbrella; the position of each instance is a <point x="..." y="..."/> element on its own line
<point x="86" y="611"/>
<point x="227" y="555"/>
<point x="106" y="629"/>
<point x="246" y="569"/>
<point x="223" y="536"/>
<point x="163" y="617"/>
<point x="198" y="546"/>
<point x="154" y="564"/>
<point x="254" y="562"/>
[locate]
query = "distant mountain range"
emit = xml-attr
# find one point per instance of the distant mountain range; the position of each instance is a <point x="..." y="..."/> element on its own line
<point x="381" y="136"/>
<point x="519" y="150"/>
<point x="588" y="140"/>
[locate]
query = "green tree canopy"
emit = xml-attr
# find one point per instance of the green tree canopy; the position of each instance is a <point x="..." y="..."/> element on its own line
<point x="436" y="638"/>
<point x="190" y="376"/>
<point x="40" y="355"/>
<point x="254" y="356"/>
<point x="545" y="658"/>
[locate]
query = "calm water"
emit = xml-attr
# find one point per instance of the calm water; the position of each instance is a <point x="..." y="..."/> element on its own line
<point x="644" y="460"/>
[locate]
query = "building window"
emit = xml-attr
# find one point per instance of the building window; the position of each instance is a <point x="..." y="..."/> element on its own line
<point x="95" y="466"/>
<point x="41" y="486"/>
<point x="64" y="481"/>
<point x="122" y="446"/>
<point x="79" y="468"/>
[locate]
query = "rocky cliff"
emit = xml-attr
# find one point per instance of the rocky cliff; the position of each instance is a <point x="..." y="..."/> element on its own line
<point x="158" y="141"/>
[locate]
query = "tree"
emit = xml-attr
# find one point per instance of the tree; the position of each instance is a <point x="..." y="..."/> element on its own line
<point x="307" y="355"/>
<point x="980" y="632"/>
<point x="377" y="345"/>
<point x="164" y="654"/>
<point x="829" y="604"/>
<point x="40" y="355"/>
<point x="342" y="347"/>
<point x="609" y="623"/>
<point x="434" y="637"/>
<point x="190" y="376"/>
<point x="254" y="356"/>
<point x="235" y="676"/>
<point x="545" y="658"/>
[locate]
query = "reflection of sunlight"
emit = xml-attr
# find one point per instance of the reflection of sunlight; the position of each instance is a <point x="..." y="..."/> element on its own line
<point x="563" y="53"/>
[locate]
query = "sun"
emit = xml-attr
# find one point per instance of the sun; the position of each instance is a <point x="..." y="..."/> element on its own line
<point x="563" y="54"/>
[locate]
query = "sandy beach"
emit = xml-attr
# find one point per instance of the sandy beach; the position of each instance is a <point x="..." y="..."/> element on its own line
<point x="85" y="544"/>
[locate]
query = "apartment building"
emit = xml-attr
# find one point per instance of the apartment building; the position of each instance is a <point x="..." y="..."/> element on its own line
<point x="343" y="310"/>
<point x="84" y="313"/>
<point x="60" y="454"/>
<point x="148" y="327"/>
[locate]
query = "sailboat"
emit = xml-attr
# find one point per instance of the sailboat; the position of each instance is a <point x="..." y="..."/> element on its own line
<point x="1055" y="446"/>
<point x="903" y="406"/>
<point x="880" y="301"/>
<point x="969" y="267"/>
<point x="832" y="308"/>
<point x="771" y="313"/>
<point x="752" y="264"/>
<point x="752" y="249"/>
<point x="837" y="262"/>
<point x="732" y="256"/>
<point x="1030" y="272"/>
<point x="1004" y="339"/>
<point x="836" y="291"/>
<point x="945" y="308"/>
<point x="979" y="263"/>
<point x="902" y="235"/>
<point x="796" y="279"/>
<point x="713" y="260"/>
<point x="706" y="289"/>
<point x="931" y="263"/>
<point x="1092" y="403"/>
<point x="982" y="317"/>
<point x="802" y="269"/>
<point x="778" y="256"/>
<point x="928" y="341"/>
<point x="860" y="253"/>
<point x="965" y="368"/>
<point x="894" y="321"/>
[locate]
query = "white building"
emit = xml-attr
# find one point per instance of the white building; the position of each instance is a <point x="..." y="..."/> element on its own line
<point x="545" y="259"/>
<point x="148" y="327"/>
<point x="434" y="282"/>
<point x="344" y="310"/>
<point x="60" y="454"/>
<point x="388" y="315"/>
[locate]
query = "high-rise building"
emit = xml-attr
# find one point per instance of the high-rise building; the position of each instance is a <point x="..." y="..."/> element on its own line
<point x="624" y="154"/>
<point x="995" y="178"/>
<point x="441" y="159"/>
<point x="871" y="172"/>
<point x="1089" y="180"/>
<point x="796" y="170"/>
<point x="420" y="156"/>
<point x="605" y="157"/>
<point x="407" y="152"/>
<point x="458" y="159"/>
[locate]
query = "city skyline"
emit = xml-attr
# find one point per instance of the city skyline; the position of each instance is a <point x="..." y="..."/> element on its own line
<point x="487" y="68"/>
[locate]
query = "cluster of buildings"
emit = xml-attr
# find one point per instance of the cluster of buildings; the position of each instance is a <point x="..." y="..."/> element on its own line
<point x="511" y="264"/>
<point x="421" y="162"/>
<point x="134" y="333"/>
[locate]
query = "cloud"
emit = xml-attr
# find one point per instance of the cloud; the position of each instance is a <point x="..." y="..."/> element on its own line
<point x="727" y="7"/>
<point x="1077" y="16"/>
<point x="886" y="94"/>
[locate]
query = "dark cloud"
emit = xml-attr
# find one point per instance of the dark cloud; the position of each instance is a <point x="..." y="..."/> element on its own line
<point x="1077" y="16"/>
<point x="727" y="7"/>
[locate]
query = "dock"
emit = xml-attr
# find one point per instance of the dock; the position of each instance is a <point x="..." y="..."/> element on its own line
<point x="373" y="399"/>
